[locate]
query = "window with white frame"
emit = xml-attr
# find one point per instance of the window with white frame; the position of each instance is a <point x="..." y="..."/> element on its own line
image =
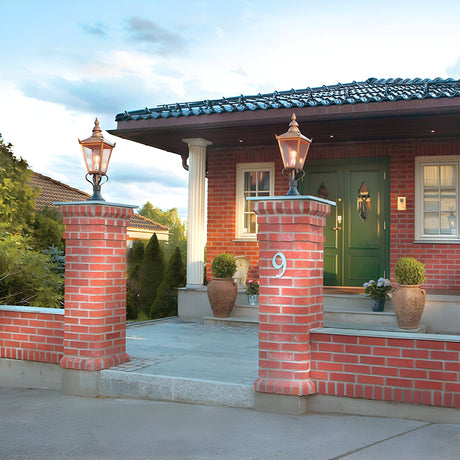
<point x="252" y="179"/>
<point x="437" y="198"/>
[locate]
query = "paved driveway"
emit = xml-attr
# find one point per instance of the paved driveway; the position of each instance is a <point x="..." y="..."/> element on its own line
<point x="36" y="424"/>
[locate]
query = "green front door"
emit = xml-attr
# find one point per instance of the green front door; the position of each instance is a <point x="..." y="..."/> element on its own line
<point x="357" y="230"/>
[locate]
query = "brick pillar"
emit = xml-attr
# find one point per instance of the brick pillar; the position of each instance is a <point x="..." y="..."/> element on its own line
<point x="95" y="285"/>
<point x="290" y="303"/>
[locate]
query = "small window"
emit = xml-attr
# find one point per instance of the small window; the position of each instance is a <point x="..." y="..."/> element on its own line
<point x="437" y="198"/>
<point x="252" y="179"/>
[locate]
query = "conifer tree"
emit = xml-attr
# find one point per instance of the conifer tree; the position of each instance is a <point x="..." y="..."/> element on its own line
<point x="151" y="272"/>
<point x="135" y="255"/>
<point x="165" y="303"/>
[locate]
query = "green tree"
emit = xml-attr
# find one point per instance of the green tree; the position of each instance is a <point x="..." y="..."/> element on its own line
<point x="47" y="229"/>
<point x="135" y="255"/>
<point x="17" y="197"/>
<point x="151" y="271"/>
<point x="165" y="303"/>
<point x="27" y="277"/>
<point x="172" y="220"/>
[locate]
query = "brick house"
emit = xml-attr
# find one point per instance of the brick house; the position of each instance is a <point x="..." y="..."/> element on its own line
<point x="52" y="191"/>
<point x="393" y="144"/>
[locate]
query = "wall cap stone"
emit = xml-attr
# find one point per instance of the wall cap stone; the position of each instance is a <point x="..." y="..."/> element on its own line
<point x="95" y="202"/>
<point x="24" y="309"/>
<point x="386" y="334"/>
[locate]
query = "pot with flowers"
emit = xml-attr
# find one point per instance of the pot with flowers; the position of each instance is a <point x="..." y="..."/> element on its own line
<point x="378" y="292"/>
<point x="252" y="290"/>
<point x="222" y="290"/>
<point x="408" y="299"/>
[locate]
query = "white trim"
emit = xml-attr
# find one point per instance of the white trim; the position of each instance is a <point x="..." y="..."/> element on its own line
<point x="241" y="168"/>
<point x="420" y="162"/>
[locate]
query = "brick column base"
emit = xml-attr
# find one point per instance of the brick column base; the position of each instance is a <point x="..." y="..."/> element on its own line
<point x="95" y="285"/>
<point x="291" y="290"/>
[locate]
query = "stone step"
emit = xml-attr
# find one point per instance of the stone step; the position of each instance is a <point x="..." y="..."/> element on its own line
<point x="441" y="314"/>
<point x="251" y="311"/>
<point x="234" y="321"/>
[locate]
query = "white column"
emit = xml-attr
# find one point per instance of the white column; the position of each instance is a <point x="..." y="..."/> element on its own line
<point x="196" y="211"/>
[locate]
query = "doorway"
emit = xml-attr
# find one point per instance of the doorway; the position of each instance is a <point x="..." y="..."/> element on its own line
<point x="357" y="230"/>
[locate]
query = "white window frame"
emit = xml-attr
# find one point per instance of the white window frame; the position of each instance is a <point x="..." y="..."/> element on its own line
<point x="420" y="162"/>
<point x="242" y="168"/>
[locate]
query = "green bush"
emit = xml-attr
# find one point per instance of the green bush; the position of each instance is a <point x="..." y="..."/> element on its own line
<point x="166" y="302"/>
<point x="223" y="266"/>
<point x="134" y="259"/>
<point x="28" y="277"/>
<point x="409" y="271"/>
<point x="151" y="272"/>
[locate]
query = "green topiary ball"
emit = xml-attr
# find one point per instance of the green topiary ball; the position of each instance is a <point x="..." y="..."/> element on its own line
<point x="409" y="271"/>
<point x="223" y="266"/>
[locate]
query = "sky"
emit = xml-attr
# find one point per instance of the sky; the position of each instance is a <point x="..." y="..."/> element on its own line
<point x="64" y="63"/>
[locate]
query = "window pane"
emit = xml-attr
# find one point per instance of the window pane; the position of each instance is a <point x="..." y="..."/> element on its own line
<point x="264" y="180"/>
<point x="255" y="183"/>
<point x="431" y="202"/>
<point x="430" y="175"/>
<point x="447" y="176"/>
<point x="250" y="181"/>
<point x="431" y="224"/>
<point x="448" y="223"/>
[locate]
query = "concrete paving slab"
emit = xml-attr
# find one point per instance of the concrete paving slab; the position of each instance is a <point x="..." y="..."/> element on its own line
<point x="185" y="348"/>
<point x="37" y="424"/>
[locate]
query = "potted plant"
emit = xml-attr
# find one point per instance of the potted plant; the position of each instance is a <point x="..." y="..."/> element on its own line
<point x="378" y="292"/>
<point x="252" y="290"/>
<point x="222" y="290"/>
<point x="408" y="299"/>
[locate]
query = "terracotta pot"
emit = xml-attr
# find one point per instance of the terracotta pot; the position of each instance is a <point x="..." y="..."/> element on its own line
<point x="222" y="294"/>
<point x="408" y="303"/>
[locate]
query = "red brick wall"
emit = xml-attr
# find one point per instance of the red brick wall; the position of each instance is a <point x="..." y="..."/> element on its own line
<point x="221" y="202"/>
<point x="32" y="335"/>
<point x="442" y="260"/>
<point x="419" y="371"/>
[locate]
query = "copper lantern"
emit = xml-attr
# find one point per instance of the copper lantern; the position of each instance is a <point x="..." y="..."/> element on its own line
<point x="294" y="149"/>
<point x="96" y="153"/>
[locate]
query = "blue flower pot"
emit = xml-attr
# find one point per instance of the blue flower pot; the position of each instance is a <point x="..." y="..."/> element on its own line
<point x="378" y="303"/>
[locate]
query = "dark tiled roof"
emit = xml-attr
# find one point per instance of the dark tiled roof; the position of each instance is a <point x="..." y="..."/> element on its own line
<point x="141" y="222"/>
<point x="369" y="91"/>
<point x="52" y="191"/>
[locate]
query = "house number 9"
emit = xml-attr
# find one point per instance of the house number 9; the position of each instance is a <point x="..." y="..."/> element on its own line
<point x="279" y="266"/>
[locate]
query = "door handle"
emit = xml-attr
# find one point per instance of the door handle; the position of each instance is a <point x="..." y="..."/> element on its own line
<point x="337" y="229"/>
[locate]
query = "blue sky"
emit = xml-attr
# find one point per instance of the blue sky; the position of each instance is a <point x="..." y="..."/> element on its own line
<point x="65" y="62"/>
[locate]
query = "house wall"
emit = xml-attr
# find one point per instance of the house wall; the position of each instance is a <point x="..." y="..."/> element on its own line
<point x="442" y="260"/>
<point x="32" y="334"/>
<point x="381" y="367"/>
<point x="221" y="202"/>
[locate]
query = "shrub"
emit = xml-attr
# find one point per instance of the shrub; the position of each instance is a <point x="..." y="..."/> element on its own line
<point x="151" y="271"/>
<point x="223" y="266"/>
<point x="409" y="271"/>
<point x="166" y="302"/>
<point x="27" y="277"/>
<point x="135" y="255"/>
